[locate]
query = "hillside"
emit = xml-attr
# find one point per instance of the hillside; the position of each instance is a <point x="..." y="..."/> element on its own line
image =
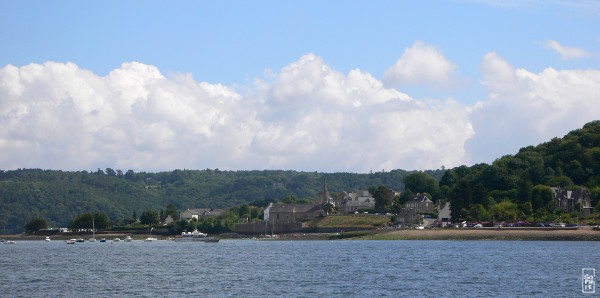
<point x="59" y="196"/>
<point x="517" y="187"/>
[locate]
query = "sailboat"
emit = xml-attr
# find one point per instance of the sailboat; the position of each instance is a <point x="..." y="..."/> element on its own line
<point x="150" y="239"/>
<point x="93" y="239"/>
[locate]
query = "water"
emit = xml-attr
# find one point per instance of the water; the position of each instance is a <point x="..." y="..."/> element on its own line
<point x="296" y="268"/>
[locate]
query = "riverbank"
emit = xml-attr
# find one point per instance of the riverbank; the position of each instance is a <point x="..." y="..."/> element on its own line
<point x="581" y="234"/>
<point x="533" y="234"/>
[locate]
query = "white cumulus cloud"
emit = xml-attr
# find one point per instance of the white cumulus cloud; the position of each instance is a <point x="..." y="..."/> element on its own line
<point x="306" y="117"/>
<point x="526" y="108"/>
<point x="421" y="64"/>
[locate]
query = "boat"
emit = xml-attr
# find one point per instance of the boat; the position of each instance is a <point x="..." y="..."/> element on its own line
<point x="80" y="240"/>
<point x="9" y="242"/>
<point x="150" y="238"/>
<point x="128" y="239"/>
<point x="116" y="240"/>
<point x="194" y="236"/>
<point x="71" y="241"/>
<point x="102" y="239"/>
<point x="47" y="239"/>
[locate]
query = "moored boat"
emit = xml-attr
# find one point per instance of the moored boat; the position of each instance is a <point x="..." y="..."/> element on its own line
<point x="116" y="240"/>
<point x="127" y="239"/>
<point x="102" y="239"/>
<point x="194" y="236"/>
<point x="150" y="239"/>
<point x="47" y="239"/>
<point x="70" y="241"/>
<point x="9" y="242"/>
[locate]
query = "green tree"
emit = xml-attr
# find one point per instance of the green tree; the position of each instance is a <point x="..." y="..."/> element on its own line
<point x="244" y="211"/>
<point x="35" y="224"/>
<point x="525" y="188"/>
<point x="383" y="197"/>
<point x="541" y="196"/>
<point x="328" y="208"/>
<point x="101" y="221"/>
<point x="422" y="183"/>
<point x="149" y="217"/>
<point x="172" y="210"/>
<point x="82" y="221"/>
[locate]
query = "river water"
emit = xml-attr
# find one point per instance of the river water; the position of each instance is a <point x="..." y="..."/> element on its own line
<point x="296" y="268"/>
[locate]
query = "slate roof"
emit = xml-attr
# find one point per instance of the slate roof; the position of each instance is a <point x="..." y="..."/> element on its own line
<point x="298" y="208"/>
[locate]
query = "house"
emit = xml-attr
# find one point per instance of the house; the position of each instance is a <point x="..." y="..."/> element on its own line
<point x="169" y="219"/>
<point x="351" y="202"/>
<point x="407" y="216"/>
<point x="420" y="203"/>
<point x="444" y="216"/>
<point x="573" y="200"/>
<point x="289" y="213"/>
<point x="199" y="212"/>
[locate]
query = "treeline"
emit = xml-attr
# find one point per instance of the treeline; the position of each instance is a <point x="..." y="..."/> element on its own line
<point x="517" y="187"/>
<point x="59" y="196"/>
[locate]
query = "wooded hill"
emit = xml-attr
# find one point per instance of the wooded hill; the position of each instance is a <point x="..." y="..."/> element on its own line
<point x="60" y="196"/>
<point x="517" y="187"/>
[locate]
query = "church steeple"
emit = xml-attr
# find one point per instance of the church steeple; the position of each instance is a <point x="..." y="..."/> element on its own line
<point x="325" y="195"/>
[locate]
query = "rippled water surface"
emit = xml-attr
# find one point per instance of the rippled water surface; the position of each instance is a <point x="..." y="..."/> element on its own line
<point x="296" y="268"/>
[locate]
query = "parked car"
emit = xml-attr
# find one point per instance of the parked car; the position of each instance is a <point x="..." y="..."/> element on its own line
<point x="560" y="225"/>
<point x="573" y="225"/>
<point x="478" y="226"/>
<point x="509" y="225"/>
<point x="539" y="224"/>
<point x="549" y="225"/>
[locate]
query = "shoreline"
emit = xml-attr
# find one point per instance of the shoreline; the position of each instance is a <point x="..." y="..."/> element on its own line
<point x="581" y="234"/>
<point x="516" y="234"/>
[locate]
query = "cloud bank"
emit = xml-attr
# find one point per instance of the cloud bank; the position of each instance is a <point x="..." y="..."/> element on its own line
<point x="307" y="117"/>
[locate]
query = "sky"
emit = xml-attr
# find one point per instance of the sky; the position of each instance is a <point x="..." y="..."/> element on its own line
<point x="329" y="86"/>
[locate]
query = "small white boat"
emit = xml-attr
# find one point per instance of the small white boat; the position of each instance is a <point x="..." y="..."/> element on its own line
<point x="194" y="236"/>
<point x="102" y="239"/>
<point x="127" y="239"/>
<point x="71" y="241"/>
<point x="47" y="239"/>
<point x="150" y="239"/>
<point x="9" y="242"/>
<point x="116" y="240"/>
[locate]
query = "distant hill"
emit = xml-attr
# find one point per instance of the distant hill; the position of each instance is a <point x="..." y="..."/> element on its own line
<point x="59" y="196"/>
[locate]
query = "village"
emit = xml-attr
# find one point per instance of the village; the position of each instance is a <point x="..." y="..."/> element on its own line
<point x="420" y="212"/>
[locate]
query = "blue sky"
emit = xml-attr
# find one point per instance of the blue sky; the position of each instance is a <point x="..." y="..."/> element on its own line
<point x="248" y="47"/>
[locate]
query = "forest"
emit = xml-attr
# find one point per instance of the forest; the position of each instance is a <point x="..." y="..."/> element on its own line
<point x="60" y="196"/>
<point x="517" y="187"/>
